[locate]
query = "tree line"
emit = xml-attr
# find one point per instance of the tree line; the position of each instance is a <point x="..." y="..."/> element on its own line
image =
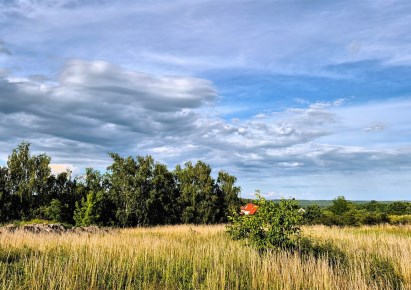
<point x="132" y="192"/>
<point x="346" y="213"/>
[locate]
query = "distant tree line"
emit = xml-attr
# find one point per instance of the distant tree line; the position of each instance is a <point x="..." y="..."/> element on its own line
<point x="345" y="213"/>
<point x="132" y="192"/>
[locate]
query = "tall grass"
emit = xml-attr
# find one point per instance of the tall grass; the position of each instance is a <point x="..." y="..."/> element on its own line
<point x="201" y="257"/>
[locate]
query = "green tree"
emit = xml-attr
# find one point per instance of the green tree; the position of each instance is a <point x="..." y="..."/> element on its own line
<point x="124" y="189"/>
<point x="230" y="193"/>
<point x="198" y="199"/>
<point x="54" y="211"/>
<point x="372" y="206"/>
<point x="340" y="206"/>
<point x="88" y="211"/>
<point x="93" y="204"/>
<point x="64" y="189"/>
<point x="399" y="208"/>
<point x="162" y="206"/>
<point x="27" y="178"/>
<point x="312" y="214"/>
<point x="145" y="198"/>
<point x="4" y="196"/>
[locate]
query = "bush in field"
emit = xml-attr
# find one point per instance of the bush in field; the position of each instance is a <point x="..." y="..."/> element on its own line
<point x="336" y="257"/>
<point x="384" y="273"/>
<point x="373" y="218"/>
<point x="345" y="213"/>
<point x="400" y="219"/>
<point x="274" y="226"/>
<point x="312" y="215"/>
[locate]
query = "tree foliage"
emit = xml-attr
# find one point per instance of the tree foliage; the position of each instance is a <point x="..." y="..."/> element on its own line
<point x="133" y="192"/>
<point x="199" y="200"/>
<point x="273" y="226"/>
<point x="138" y="191"/>
<point x="346" y="213"/>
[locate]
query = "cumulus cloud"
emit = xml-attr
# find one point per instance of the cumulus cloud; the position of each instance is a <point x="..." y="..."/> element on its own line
<point x="95" y="107"/>
<point x="270" y="61"/>
<point x="98" y="103"/>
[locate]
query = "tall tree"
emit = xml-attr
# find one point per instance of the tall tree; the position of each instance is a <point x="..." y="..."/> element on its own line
<point x="94" y="204"/>
<point x="4" y="195"/>
<point x="122" y="173"/>
<point x="341" y="205"/>
<point x="88" y="210"/>
<point x="198" y="199"/>
<point x="230" y="193"/>
<point x="27" y="177"/>
<point x="162" y="204"/>
<point x="143" y="181"/>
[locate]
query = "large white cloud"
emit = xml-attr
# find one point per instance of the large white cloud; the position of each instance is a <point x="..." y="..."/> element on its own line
<point x="95" y="107"/>
<point x="79" y="110"/>
<point x="99" y="106"/>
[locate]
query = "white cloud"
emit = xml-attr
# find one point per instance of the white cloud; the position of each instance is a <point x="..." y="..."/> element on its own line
<point x="99" y="106"/>
<point x="96" y="107"/>
<point x="131" y="104"/>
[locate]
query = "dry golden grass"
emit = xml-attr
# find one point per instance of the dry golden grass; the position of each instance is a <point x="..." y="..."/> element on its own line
<point x="392" y="243"/>
<point x="195" y="257"/>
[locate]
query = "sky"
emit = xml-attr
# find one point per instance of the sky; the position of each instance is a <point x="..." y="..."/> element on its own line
<point x="303" y="99"/>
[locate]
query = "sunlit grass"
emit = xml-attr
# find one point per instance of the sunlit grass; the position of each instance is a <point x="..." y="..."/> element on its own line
<point x="196" y="257"/>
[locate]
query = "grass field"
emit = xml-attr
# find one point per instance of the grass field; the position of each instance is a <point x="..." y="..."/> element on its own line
<point x="201" y="257"/>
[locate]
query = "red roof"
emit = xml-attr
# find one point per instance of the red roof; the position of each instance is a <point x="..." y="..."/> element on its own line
<point x="249" y="208"/>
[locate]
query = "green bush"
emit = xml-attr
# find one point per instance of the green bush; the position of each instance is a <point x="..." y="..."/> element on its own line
<point x="13" y="255"/>
<point x="312" y="215"/>
<point x="334" y="255"/>
<point x="352" y="217"/>
<point x="273" y="226"/>
<point x="374" y="218"/>
<point x="383" y="273"/>
<point x="53" y="211"/>
<point x="400" y="219"/>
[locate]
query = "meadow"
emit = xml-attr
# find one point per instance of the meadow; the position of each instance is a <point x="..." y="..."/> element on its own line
<point x="202" y="257"/>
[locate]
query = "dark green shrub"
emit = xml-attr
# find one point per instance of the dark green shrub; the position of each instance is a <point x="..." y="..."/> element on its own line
<point x="334" y="255"/>
<point x="54" y="210"/>
<point x="351" y="218"/>
<point x="330" y="219"/>
<point x="374" y="218"/>
<point x="14" y="255"/>
<point x="312" y="215"/>
<point x="383" y="273"/>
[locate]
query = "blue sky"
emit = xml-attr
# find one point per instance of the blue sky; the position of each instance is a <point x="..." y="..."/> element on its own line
<point x="295" y="98"/>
